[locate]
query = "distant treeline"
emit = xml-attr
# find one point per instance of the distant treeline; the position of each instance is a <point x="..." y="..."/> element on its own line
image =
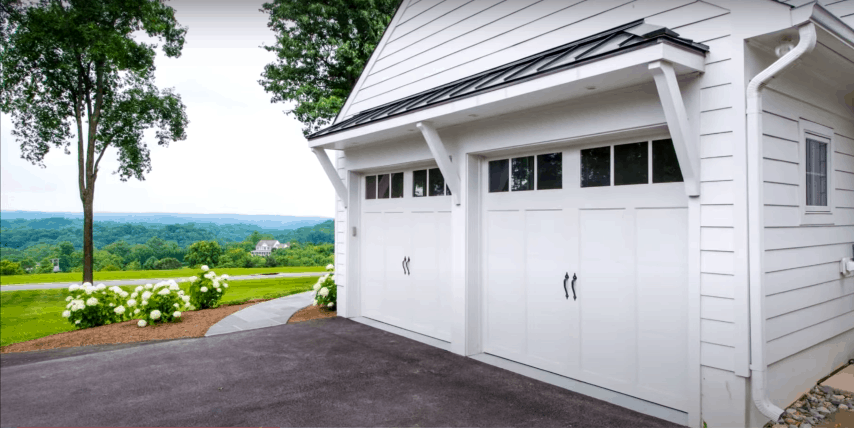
<point x="135" y="247"/>
<point x="22" y="233"/>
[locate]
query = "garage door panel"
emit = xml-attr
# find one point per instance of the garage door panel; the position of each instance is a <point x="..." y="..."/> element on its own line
<point x="551" y="317"/>
<point x="429" y="259"/>
<point x="396" y="294"/>
<point x="662" y="278"/>
<point x="607" y="294"/>
<point x="373" y="264"/>
<point x="505" y="282"/>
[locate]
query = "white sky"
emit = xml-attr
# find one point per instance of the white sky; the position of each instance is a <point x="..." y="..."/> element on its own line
<point x="242" y="154"/>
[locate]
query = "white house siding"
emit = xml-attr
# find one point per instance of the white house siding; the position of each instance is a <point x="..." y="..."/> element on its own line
<point x="341" y="236"/>
<point x="806" y="300"/>
<point x="442" y="41"/>
<point x="844" y="9"/>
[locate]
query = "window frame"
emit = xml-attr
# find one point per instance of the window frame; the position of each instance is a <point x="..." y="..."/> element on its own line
<point x="813" y="214"/>
<point x="377" y="175"/>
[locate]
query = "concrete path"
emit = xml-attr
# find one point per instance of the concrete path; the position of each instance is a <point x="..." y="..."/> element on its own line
<point x="265" y="314"/>
<point x="322" y="373"/>
<point x="111" y="283"/>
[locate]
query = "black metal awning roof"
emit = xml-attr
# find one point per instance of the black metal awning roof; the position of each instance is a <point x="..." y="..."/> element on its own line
<point x="632" y="35"/>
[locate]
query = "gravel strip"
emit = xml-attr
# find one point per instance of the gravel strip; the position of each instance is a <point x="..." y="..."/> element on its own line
<point x="814" y="407"/>
<point x="193" y="324"/>
<point x="311" y="313"/>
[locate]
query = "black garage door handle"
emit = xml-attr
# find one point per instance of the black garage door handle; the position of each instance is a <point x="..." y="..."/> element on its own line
<point x="408" y="271"/>
<point x="403" y="263"/>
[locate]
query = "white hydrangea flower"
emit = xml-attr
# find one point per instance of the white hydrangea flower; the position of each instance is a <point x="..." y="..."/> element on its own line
<point x="73" y="287"/>
<point x="180" y="292"/>
<point x="175" y="305"/>
<point x="142" y="323"/>
<point x="111" y="305"/>
<point x="133" y="295"/>
<point x="119" y="310"/>
<point x="87" y="284"/>
<point x="194" y="278"/>
<point x="148" y="286"/>
<point x="219" y="290"/>
<point x="146" y="295"/>
<point x="101" y="286"/>
<point x="330" y="267"/>
<point x="315" y="303"/>
<point x="66" y="314"/>
<point x="185" y="298"/>
<point x="225" y="276"/>
<point x="323" y="292"/>
<point x="77" y="322"/>
<point x="204" y="289"/>
<point x="138" y="289"/>
<point x="145" y="303"/>
<point x="68" y="306"/>
<point x="124" y="293"/>
<point x="224" y="285"/>
<point x="89" y="290"/>
<point x="331" y="304"/>
<point x="68" y="299"/>
<point x="215" y="282"/>
<point x="176" y="314"/>
<point x="136" y="311"/>
<point x="131" y="302"/>
<point x="155" y="314"/>
<point x="317" y="286"/>
<point x="163" y="292"/>
<point x="210" y="275"/>
<point x="174" y="287"/>
<point x="92" y="301"/>
<point x="205" y="268"/>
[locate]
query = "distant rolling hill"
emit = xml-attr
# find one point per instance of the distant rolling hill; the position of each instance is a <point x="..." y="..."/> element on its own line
<point x="53" y="219"/>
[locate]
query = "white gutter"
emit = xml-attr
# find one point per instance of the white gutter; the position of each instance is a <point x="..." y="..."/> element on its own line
<point x="755" y="222"/>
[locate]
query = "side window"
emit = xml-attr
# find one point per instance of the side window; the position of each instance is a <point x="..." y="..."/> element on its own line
<point x="817" y="152"/>
<point x="540" y="172"/>
<point x="384" y="186"/>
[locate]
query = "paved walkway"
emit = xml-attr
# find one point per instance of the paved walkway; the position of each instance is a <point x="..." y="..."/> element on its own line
<point x="111" y="283"/>
<point x="265" y="314"/>
<point x="329" y="373"/>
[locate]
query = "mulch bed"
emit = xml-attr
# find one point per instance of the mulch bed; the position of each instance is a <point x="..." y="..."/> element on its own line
<point x="311" y="313"/>
<point x="193" y="324"/>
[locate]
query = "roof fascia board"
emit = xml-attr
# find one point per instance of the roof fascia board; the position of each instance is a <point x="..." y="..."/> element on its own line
<point x="371" y="61"/>
<point x="662" y="51"/>
<point x="817" y="14"/>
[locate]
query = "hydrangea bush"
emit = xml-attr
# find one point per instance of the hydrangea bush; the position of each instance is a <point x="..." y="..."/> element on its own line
<point x="159" y="303"/>
<point x="93" y="305"/>
<point x="206" y="291"/>
<point x="326" y="293"/>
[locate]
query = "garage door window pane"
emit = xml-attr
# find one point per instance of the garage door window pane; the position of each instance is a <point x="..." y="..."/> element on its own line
<point x="383" y="186"/>
<point x="816" y="173"/>
<point x="596" y="167"/>
<point x="549" y="171"/>
<point x="419" y="183"/>
<point x="665" y="165"/>
<point x="397" y="185"/>
<point x="499" y="175"/>
<point x="631" y="164"/>
<point x="437" y="182"/>
<point x="523" y="173"/>
<point x="371" y="187"/>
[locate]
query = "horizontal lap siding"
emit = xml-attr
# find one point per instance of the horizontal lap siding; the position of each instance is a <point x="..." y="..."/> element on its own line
<point x="807" y="301"/>
<point x="717" y="233"/>
<point x="341" y="224"/>
<point x="453" y="40"/>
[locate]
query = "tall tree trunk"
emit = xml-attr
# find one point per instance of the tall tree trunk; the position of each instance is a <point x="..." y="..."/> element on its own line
<point x="88" y="246"/>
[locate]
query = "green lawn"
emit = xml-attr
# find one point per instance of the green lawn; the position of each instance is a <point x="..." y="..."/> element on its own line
<point x="30" y="314"/>
<point x="145" y="274"/>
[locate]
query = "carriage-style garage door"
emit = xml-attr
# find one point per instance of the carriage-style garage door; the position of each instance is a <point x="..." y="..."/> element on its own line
<point x="615" y="218"/>
<point x="405" y="257"/>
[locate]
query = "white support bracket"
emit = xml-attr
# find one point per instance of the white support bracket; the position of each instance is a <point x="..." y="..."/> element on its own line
<point x="684" y="141"/>
<point x="437" y="148"/>
<point x="332" y="174"/>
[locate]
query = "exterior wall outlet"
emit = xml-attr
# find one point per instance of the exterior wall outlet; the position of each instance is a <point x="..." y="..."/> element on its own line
<point x="846" y="266"/>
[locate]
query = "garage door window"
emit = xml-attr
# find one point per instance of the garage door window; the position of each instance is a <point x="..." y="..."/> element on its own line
<point x="429" y="182"/>
<point x="596" y="167"/>
<point x="665" y="165"/>
<point x="540" y="172"/>
<point x="384" y="186"/>
<point x="631" y="164"/>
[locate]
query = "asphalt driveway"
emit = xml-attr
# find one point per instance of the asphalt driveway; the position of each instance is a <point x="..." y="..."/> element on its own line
<point x="332" y="372"/>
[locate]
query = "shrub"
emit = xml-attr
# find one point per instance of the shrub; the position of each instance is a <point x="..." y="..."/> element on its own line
<point x="134" y="265"/>
<point x="203" y="253"/>
<point x="206" y="291"/>
<point x="326" y="293"/>
<point x="10" y="268"/>
<point x="159" y="303"/>
<point x="167" y="263"/>
<point x="110" y="268"/>
<point x="90" y="306"/>
<point x="150" y="263"/>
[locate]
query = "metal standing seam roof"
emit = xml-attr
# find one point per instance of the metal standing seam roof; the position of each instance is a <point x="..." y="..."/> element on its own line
<point x="632" y="35"/>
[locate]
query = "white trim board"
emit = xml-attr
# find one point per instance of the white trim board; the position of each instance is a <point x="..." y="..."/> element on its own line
<point x="622" y="400"/>
<point x="418" y="337"/>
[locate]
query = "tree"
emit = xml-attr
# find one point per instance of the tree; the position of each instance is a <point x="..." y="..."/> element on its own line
<point x="167" y="263"/>
<point x="203" y="253"/>
<point x="10" y="268"/>
<point x="74" y="64"/>
<point x="321" y="48"/>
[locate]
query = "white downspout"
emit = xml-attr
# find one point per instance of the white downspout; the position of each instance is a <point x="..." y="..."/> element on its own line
<point x="755" y="222"/>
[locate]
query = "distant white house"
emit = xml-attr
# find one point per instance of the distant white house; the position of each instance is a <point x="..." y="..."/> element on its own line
<point x="650" y="201"/>
<point x="265" y="247"/>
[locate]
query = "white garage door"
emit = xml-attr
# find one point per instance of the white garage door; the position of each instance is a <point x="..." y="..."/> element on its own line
<point x="406" y="264"/>
<point x="615" y="219"/>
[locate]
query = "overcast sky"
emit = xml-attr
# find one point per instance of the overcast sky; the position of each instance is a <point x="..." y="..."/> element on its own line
<point x="242" y="154"/>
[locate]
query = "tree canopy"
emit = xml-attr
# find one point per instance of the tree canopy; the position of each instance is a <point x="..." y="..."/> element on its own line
<point x="321" y="48"/>
<point x="74" y="72"/>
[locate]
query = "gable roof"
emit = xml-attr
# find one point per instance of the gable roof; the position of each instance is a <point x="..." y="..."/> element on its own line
<point x="269" y="242"/>
<point x="630" y="36"/>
